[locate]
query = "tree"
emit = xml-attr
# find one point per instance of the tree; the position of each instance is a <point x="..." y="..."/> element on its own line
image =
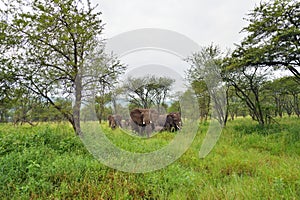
<point x="236" y="107"/>
<point x="285" y="93"/>
<point x="202" y="93"/>
<point x="273" y="36"/>
<point x="48" y="43"/>
<point x="148" y="91"/>
<point x="5" y="99"/>
<point x="207" y="81"/>
<point x="100" y="79"/>
<point x="275" y="90"/>
<point x="24" y="104"/>
<point x="248" y="83"/>
<point x="100" y="102"/>
<point x="174" y="107"/>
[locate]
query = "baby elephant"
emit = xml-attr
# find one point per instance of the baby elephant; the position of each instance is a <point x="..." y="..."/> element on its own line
<point x="114" y="121"/>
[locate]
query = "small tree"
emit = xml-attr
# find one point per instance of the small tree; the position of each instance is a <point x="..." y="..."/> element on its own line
<point x="206" y="70"/>
<point x="285" y="92"/>
<point x="248" y="84"/>
<point x="48" y="43"/>
<point x="202" y="93"/>
<point x="148" y="91"/>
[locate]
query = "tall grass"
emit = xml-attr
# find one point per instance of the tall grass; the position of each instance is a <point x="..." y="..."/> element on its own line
<point x="249" y="162"/>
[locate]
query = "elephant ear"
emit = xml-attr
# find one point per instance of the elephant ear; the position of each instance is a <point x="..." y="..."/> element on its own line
<point x="146" y="114"/>
<point x="136" y="116"/>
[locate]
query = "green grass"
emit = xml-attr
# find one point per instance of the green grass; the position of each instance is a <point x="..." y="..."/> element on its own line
<point x="249" y="162"/>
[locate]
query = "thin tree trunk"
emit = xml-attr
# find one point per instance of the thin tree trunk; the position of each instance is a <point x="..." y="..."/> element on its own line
<point x="77" y="104"/>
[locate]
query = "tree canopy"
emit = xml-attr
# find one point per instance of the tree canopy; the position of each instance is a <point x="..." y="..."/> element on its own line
<point x="205" y="78"/>
<point x="48" y="46"/>
<point x="273" y="36"/>
<point x="148" y="91"/>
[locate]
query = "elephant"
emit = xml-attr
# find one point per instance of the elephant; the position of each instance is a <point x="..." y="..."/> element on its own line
<point x="173" y="122"/>
<point x="114" y="121"/>
<point x="159" y="126"/>
<point x="143" y="119"/>
<point x="126" y="123"/>
<point x="161" y="120"/>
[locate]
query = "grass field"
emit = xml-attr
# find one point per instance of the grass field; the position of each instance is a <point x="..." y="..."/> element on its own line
<point x="249" y="162"/>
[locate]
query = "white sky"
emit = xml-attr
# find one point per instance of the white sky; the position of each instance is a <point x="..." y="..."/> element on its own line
<point x="204" y="21"/>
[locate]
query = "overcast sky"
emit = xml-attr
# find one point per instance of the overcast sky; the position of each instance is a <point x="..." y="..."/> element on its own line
<point x="204" y="21"/>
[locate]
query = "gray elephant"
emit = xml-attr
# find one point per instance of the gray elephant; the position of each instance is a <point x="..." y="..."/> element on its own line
<point x="126" y="123"/>
<point x="161" y="120"/>
<point x="114" y="121"/>
<point x="173" y="122"/>
<point x="143" y="120"/>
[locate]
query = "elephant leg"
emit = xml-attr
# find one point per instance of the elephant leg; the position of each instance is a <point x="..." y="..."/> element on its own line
<point x="149" y="129"/>
<point x="120" y="124"/>
<point x="138" y="130"/>
<point x="173" y="129"/>
<point x="142" y="131"/>
<point x="152" y="127"/>
<point x="169" y="127"/>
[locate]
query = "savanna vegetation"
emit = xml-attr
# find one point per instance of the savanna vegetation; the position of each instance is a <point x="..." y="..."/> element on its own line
<point x="54" y="71"/>
<point x="249" y="162"/>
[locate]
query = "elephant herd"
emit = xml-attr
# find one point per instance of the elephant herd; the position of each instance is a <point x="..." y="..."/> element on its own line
<point x="146" y="121"/>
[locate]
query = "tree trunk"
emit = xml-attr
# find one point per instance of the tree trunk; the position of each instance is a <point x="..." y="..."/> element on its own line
<point x="232" y="115"/>
<point x="77" y="104"/>
<point x="100" y="116"/>
<point x="258" y="110"/>
<point x="296" y="105"/>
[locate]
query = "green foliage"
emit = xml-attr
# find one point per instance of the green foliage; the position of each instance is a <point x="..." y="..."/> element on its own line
<point x="285" y="93"/>
<point x="174" y="107"/>
<point x="148" y="91"/>
<point x="206" y="80"/>
<point x="59" y="51"/>
<point x="202" y="93"/>
<point x="249" y="162"/>
<point x="270" y="44"/>
<point x="273" y="36"/>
